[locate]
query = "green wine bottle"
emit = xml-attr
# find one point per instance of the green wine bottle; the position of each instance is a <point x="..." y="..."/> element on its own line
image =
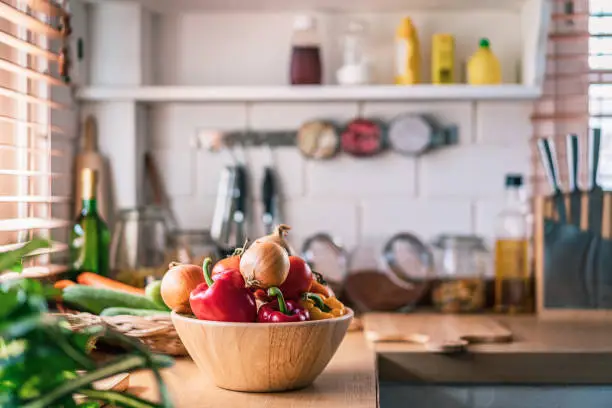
<point x="90" y="237"/>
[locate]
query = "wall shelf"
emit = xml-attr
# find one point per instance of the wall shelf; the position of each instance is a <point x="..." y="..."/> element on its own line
<point x="326" y="5"/>
<point x="458" y="92"/>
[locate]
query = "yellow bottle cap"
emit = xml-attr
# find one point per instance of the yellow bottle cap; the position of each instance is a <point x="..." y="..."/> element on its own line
<point x="405" y="29"/>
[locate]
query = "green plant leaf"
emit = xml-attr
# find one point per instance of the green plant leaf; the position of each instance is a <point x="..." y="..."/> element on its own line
<point x="9" y="258"/>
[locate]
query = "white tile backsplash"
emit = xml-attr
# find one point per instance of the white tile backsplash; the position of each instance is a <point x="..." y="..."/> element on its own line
<point x="177" y="164"/>
<point x="503" y="122"/>
<point x="472" y="171"/>
<point x="383" y="217"/>
<point x="455" y="189"/>
<point x="345" y="176"/>
<point x="283" y="116"/>
<point x="176" y="125"/>
<point x="308" y="216"/>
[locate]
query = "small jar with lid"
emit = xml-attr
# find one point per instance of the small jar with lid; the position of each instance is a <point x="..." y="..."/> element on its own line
<point x="461" y="263"/>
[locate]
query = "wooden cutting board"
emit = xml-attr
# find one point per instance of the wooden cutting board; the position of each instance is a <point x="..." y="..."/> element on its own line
<point x="437" y="333"/>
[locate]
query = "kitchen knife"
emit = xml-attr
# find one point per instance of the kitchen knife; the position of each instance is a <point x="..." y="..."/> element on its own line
<point x="595" y="193"/>
<point x="575" y="196"/>
<point x="221" y="222"/>
<point x="239" y="216"/>
<point x="270" y="200"/>
<point x="549" y="162"/>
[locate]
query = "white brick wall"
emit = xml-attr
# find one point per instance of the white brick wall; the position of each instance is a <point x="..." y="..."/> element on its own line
<point x="361" y="201"/>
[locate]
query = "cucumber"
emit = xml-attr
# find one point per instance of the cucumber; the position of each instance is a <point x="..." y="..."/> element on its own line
<point x="118" y="311"/>
<point x="153" y="292"/>
<point x="95" y="300"/>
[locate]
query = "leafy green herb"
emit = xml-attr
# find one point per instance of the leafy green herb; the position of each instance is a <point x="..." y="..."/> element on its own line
<point x="40" y="355"/>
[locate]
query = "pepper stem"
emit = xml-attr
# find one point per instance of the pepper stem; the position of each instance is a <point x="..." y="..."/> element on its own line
<point x="276" y="292"/>
<point x="317" y="301"/>
<point x="207" y="271"/>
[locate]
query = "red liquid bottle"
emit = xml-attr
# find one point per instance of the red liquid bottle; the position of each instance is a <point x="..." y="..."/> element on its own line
<point x="305" y="53"/>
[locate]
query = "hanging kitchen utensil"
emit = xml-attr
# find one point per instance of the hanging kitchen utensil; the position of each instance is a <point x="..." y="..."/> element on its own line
<point x="413" y="135"/>
<point x="327" y="257"/>
<point x="224" y="207"/>
<point x="575" y="196"/>
<point x="270" y="201"/>
<point x="239" y="215"/>
<point x="549" y="161"/>
<point x="595" y="194"/>
<point x="318" y="140"/>
<point x="363" y="138"/>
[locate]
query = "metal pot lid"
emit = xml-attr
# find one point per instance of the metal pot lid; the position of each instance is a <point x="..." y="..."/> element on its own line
<point x="408" y="258"/>
<point x="410" y="134"/>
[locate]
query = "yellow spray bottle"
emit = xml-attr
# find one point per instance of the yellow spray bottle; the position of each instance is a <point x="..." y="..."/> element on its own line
<point x="407" y="54"/>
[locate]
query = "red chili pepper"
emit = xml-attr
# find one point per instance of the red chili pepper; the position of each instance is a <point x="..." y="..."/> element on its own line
<point x="223" y="298"/>
<point x="281" y="311"/>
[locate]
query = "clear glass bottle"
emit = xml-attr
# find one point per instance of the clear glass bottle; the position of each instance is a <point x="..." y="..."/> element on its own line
<point x="354" y="69"/>
<point x="89" y="237"/>
<point x="305" y="53"/>
<point x="512" y="272"/>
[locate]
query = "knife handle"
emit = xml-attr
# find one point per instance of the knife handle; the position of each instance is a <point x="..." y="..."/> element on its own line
<point x="268" y="192"/>
<point x="594" y="146"/>
<point x="572" y="161"/>
<point x="546" y="154"/>
<point x="240" y="192"/>
<point x="546" y="147"/>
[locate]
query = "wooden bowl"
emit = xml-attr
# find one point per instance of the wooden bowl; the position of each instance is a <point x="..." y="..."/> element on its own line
<point x="261" y="357"/>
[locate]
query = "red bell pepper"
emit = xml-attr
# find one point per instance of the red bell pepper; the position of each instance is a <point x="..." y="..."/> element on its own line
<point x="281" y="311"/>
<point x="223" y="298"/>
<point x="298" y="280"/>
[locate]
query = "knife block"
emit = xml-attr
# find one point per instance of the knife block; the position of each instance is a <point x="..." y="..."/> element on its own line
<point x="573" y="264"/>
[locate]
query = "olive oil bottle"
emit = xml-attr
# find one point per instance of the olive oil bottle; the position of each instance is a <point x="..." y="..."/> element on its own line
<point x="90" y="237"/>
<point x="512" y="272"/>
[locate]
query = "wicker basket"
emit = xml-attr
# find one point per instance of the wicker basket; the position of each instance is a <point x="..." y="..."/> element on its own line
<point x="156" y="332"/>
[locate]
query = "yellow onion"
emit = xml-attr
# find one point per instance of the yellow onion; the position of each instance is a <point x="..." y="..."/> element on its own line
<point x="264" y="264"/>
<point x="178" y="283"/>
<point x="278" y="236"/>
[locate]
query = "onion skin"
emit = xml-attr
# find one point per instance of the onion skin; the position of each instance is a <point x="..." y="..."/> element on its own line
<point x="278" y="236"/>
<point x="177" y="284"/>
<point x="264" y="264"/>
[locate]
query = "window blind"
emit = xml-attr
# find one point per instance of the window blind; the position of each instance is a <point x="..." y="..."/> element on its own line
<point x="577" y="86"/>
<point x="600" y="87"/>
<point x="35" y="149"/>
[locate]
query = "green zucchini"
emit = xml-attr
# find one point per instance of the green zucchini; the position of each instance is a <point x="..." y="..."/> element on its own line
<point x="118" y="311"/>
<point x="95" y="300"/>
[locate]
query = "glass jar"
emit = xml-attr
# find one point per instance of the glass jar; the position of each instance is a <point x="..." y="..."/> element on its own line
<point x="192" y="246"/>
<point x="139" y="246"/>
<point x="461" y="263"/>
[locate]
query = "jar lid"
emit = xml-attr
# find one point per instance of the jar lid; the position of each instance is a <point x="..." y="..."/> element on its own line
<point x="459" y="240"/>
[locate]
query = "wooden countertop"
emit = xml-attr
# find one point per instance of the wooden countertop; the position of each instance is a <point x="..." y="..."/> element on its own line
<point x="348" y="381"/>
<point x="543" y="352"/>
